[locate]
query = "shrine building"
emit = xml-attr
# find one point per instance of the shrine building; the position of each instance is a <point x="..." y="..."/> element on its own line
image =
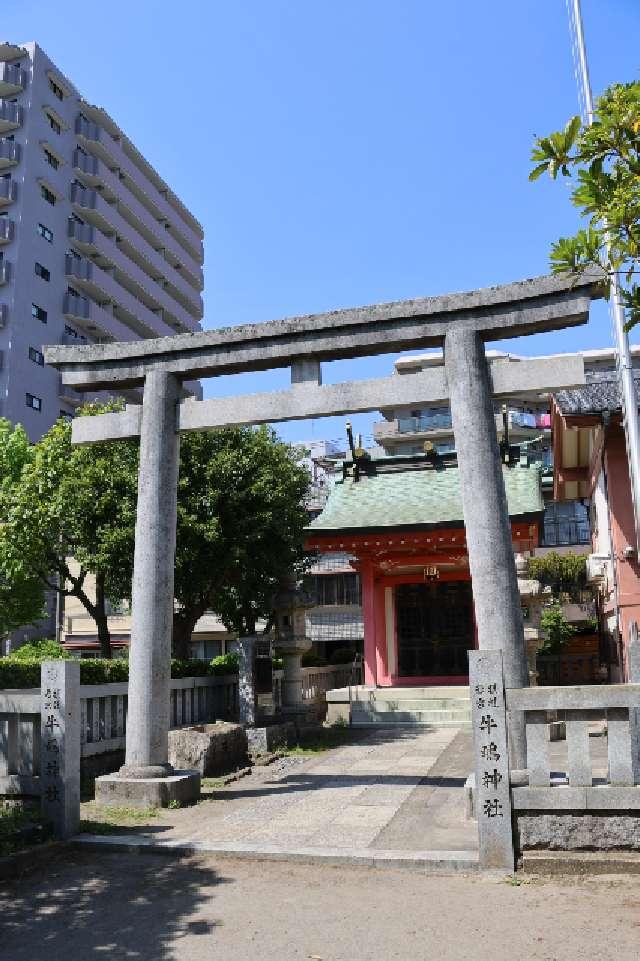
<point x="400" y="519"/>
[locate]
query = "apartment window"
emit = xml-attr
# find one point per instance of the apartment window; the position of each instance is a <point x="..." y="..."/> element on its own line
<point x="47" y="195"/>
<point x="39" y="313"/>
<point x="35" y="403"/>
<point x="70" y="331"/>
<point x="56" y="89"/>
<point x="36" y="356"/>
<point x="81" y="150"/>
<point x="45" y="233"/>
<point x="332" y="589"/>
<point x="566" y="523"/>
<point x="73" y="291"/>
<point x="42" y="272"/>
<point x="53" y="123"/>
<point x="65" y="415"/>
<point x="51" y="160"/>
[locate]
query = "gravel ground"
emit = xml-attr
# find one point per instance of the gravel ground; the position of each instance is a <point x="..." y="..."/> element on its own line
<point x="154" y="908"/>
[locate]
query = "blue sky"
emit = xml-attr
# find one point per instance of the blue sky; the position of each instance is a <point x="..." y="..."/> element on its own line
<point x="349" y="151"/>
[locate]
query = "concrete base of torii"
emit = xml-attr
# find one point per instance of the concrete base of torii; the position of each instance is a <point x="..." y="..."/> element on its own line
<point x="181" y="787"/>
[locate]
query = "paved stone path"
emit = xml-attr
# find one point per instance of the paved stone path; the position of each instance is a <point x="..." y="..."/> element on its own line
<point x="399" y="790"/>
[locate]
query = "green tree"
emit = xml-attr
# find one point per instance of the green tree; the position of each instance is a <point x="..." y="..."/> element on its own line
<point x="556" y="629"/>
<point x="240" y="527"/>
<point x="565" y="574"/>
<point x="604" y="159"/>
<point x="21" y="593"/>
<point x="71" y="502"/>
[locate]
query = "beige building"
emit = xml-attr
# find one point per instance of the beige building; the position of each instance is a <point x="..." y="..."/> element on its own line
<point x="79" y="634"/>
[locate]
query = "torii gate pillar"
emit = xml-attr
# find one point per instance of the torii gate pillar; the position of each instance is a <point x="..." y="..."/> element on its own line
<point x="152" y="589"/>
<point x="494" y="580"/>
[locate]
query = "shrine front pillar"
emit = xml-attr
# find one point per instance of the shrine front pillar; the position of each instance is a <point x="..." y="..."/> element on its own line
<point x="369" y="622"/>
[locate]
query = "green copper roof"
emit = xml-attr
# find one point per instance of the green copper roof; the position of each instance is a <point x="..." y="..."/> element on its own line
<point x="416" y="499"/>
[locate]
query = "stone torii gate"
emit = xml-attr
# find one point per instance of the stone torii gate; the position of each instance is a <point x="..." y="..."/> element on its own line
<point x="460" y="322"/>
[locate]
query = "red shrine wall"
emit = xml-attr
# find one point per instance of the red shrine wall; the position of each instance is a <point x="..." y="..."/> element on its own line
<point x="387" y="560"/>
<point x="623" y="535"/>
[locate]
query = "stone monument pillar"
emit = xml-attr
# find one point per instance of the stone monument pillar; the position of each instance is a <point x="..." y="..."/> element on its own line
<point x="486" y="517"/>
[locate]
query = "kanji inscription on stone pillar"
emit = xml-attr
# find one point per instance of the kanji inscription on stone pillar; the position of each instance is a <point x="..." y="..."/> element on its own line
<point x="492" y="790"/>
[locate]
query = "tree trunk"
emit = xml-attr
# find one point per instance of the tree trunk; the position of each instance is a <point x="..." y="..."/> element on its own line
<point x="183" y="625"/>
<point x="100" y="617"/>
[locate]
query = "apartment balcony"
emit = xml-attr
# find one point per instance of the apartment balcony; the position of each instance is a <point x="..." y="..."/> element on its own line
<point x="68" y="394"/>
<point x="13" y="80"/>
<point x="8" y="192"/>
<point x="111" y="152"/>
<point x="116" y="191"/>
<point x="11" y="115"/>
<point x="92" y="206"/>
<point x="85" y="163"/>
<point x="426" y="423"/>
<point x="101" y="286"/>
<point x="87" y="130"/>
<point x="73" y="340"/>
<point x="83" y="234"/>
<point x="7" y="230"/>
<point x="384" y="429"/>
<point x="93" y="318"/>
<point x="10" y="152"/>
<point x="90" y="240"/>
<point x="5" y="272"/>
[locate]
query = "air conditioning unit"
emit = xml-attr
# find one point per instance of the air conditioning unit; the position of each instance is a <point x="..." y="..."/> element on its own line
<point x="597" y="568"/>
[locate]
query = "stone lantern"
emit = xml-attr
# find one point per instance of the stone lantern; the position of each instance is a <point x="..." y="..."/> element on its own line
<point x="290" y="605"/>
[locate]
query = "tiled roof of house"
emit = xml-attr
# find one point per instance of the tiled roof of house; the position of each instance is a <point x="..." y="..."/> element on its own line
<point x="600" y="395"/>
<point x="418" y="497"/>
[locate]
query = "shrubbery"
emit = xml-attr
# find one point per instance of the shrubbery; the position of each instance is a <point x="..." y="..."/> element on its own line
<point x="223" y="664"/>
<point x="22" y="668"/>
<point x="40" y="649"/>
<point x="20" y="671"/>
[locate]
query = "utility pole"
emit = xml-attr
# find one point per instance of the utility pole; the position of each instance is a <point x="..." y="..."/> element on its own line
<point x="623" y="352"/>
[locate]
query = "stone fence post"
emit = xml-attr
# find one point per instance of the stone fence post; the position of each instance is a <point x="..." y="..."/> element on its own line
<point x="60" y="745"/>
<point x="491" y="760"/>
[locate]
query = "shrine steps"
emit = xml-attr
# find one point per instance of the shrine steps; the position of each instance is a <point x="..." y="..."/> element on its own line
<point x="410" y="706"/>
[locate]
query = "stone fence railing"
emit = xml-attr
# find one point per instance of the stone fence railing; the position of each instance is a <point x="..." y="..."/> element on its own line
<point x="316" y="681"/>
<point x="581" y="785"/>
<point x="593" y="803"/>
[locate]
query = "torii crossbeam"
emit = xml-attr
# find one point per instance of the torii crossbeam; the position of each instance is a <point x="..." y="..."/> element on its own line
<point x="460" y="322"/>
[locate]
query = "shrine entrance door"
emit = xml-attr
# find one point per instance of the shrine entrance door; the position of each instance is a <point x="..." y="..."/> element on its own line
<point x="435" y="629"/>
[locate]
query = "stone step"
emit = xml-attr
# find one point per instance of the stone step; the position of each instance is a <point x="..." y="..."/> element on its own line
<point x="360" y="718"/>
<point x="415" y="704"/>
<point x="454" y="691"/>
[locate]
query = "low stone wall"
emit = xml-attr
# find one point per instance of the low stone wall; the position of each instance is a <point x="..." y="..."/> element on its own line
<point x="261" y="740"/>
<point x="578" y="831"/>
<point x="211" y="749"/>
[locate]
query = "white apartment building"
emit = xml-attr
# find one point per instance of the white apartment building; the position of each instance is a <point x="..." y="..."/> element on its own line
<point x="94" y="245"/>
